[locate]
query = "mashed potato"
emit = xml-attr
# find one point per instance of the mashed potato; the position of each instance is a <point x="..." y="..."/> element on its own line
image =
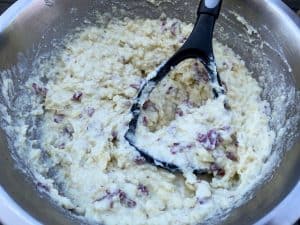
<point x="86" y="164"/>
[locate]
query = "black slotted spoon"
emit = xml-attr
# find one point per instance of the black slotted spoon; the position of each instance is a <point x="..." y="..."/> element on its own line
<point x="198" y="45"/>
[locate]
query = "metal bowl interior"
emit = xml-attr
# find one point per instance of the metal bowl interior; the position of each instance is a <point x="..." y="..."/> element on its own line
<point x="272" y="51"/>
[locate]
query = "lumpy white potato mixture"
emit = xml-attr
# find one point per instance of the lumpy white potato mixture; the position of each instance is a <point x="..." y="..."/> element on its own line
<point x="87" y="165"/>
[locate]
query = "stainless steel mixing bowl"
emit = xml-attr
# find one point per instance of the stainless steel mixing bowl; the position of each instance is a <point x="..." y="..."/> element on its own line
<point x="31" y="27"/>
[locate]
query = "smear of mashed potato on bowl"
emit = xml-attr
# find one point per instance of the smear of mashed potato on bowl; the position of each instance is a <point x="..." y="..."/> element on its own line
<point x="92" y="170"/>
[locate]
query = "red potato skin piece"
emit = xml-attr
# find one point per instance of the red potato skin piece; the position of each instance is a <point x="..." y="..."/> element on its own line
<point x="77" y="96"/>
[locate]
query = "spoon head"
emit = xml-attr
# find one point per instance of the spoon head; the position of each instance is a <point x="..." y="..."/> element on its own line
<point x="142" y="97"/>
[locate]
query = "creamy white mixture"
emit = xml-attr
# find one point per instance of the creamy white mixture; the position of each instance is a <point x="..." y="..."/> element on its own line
<point x="87" y="166"/>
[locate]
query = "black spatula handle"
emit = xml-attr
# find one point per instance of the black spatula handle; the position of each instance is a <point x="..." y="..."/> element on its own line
<point x="211" y="7"/>
<point x="199" y="43"/>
